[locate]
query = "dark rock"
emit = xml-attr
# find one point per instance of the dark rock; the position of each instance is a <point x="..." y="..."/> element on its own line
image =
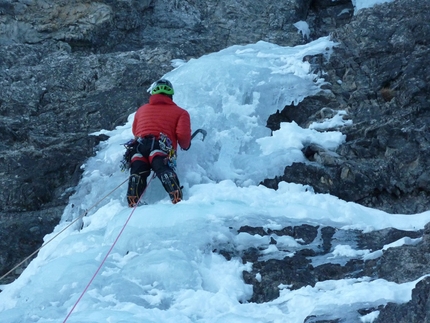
<point x="375" y="240"/>
<point x="403" y="264"/>
<point x="326" y="235"/>
<point x="294" y="271"/>
<point x="252" y="230"/>
<point x="399" y="264"/>
<point x="329" y="271"/>
<point x="415" y="311"/>
<point x="304" y="233"/>
<point x="22" y="231"/>
<point x="379" y="75"/>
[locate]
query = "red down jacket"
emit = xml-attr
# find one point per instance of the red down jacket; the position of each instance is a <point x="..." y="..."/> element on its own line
<point x="161" y="114"/>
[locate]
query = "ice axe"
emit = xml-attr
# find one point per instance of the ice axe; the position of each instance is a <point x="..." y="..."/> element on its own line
<point x="202" y="131"/>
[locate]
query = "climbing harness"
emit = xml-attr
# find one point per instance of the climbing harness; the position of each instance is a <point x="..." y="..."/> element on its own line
<point x="108" y="253"/>
<point x="165" y="145"/>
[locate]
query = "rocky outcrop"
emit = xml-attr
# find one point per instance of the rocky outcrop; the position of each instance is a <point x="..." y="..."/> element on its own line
<point x="379" y="75"/>
<point x="314" y="259"/>
<point x="416" y="310"/>
<point x="51" y="103"/>
<point x="186" y="28"/>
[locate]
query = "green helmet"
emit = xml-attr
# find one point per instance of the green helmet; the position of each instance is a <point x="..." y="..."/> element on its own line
<point x="163" y="87"/>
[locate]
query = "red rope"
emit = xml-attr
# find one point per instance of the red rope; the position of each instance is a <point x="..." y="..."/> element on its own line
<point x="108" y="253"/>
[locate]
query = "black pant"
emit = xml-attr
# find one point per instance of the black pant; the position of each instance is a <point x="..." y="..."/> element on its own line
<point x="152" y="157"/>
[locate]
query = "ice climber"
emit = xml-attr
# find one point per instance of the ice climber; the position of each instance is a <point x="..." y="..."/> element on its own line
<point x="158" y="127"/>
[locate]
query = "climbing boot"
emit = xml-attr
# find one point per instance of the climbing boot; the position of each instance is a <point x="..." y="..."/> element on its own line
<point x="176" y="196"/>
<point x="171" y="185"/>
<point x="132" y="201"/>
<point x="135" y="188"/>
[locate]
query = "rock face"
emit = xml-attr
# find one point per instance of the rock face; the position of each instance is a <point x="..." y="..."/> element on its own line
<point x="51" y="102"/>
<point x="187" y="28"/>
<point x="314" y="260"/>
<point x="69" y="68"/>
<point x="379" y="75"/>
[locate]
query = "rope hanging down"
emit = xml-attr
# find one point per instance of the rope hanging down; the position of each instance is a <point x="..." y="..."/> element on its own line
<point x="68" y="226"/>
<point x="108" y="253"/>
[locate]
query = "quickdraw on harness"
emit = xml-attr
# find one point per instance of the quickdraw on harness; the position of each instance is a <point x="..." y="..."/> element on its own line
<point x="130" y="150"/>
<point x="166" y="146"/>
